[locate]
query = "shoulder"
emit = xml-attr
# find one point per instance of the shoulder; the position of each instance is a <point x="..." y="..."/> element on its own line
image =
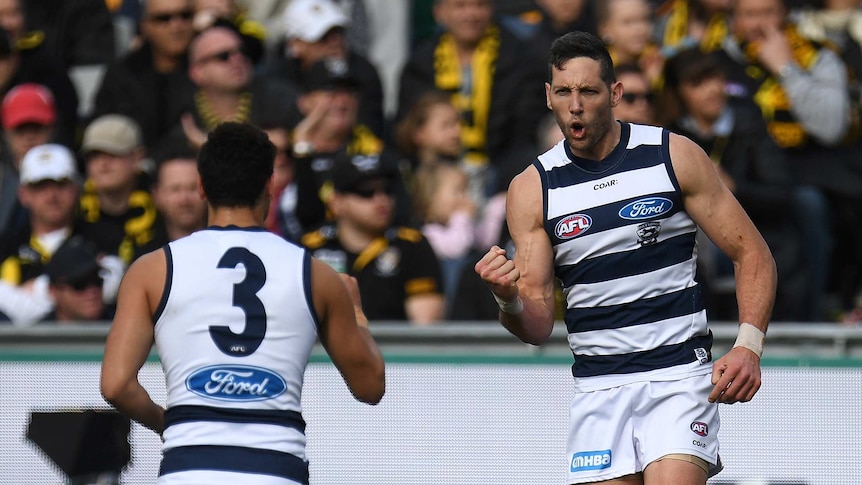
<point x="406" y="234"/>
<point x="691" y="165"/>
<point x="320" y="237"/>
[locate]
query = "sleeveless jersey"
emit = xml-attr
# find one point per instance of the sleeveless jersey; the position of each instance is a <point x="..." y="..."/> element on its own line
<point x="234" y="332"/>
<point x="625" y="253"/>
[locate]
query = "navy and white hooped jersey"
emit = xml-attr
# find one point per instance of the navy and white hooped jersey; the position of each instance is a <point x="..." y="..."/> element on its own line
<point x="234" y="332"/>
<point x="625" y="253"/>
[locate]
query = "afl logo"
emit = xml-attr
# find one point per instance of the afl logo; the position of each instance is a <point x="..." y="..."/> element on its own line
<point x="699" y="428"/>
<point x="646" y="208"/>
<point x="573" y="226"/>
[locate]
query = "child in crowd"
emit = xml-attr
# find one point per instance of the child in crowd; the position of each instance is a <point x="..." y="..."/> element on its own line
<point x="446" y="214"/>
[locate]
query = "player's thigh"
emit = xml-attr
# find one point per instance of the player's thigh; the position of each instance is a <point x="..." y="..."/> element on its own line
<point x="675" y="417"/>
<point x="674" y="471"/>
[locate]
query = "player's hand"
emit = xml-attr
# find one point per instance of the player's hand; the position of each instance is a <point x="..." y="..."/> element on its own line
<point x="499" y="273"/>
<point x="736" y="376"/>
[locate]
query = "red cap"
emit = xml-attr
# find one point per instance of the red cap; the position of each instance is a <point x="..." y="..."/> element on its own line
<point x="28" y="103"/>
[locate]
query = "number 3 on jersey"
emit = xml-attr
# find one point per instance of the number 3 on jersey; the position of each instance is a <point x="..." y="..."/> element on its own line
<point x="245" y="297"/>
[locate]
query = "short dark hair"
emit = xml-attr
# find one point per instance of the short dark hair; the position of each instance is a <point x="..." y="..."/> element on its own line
<point x="581" y="44"/>
<point x="234" y="164"/>
<point x="166" y="152"/>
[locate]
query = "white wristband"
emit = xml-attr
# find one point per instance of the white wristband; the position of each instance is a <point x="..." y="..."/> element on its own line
<point x="511" y="307"/>
<point x="751" y="338"/>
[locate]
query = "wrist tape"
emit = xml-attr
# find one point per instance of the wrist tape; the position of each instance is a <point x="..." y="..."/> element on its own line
<point x="751" y="338"/>
<point x="513" y="307"/>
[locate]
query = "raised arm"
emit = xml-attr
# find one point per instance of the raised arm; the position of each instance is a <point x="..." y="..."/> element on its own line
<point x="344" y="333"/>
<point x="717" y="212"/>
<point x="524" y="287"/>
<point x="130" y="340"/>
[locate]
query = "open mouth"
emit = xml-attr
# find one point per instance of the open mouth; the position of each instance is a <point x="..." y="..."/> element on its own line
<point x="577" y="130"/>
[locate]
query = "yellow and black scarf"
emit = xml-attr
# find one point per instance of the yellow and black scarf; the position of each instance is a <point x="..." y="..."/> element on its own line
<point x="474" y="108"/>
<point x="138" y="228"/>
<point x="676" y="28"/>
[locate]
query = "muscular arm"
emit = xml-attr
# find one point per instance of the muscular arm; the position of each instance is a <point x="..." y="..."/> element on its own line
<point x="711" y="205"/>
<point x="130" y="340"/>
<point x="344" y="333"/>
<point x="530" y="275"/>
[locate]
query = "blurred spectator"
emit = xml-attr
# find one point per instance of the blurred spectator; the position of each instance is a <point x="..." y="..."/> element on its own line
<point x="253" y="33"/>
<point x="447" y="217"/>
<point x="78" y="32"/>
<point x="397" y="271"/>
<point x="176" y="194"/>
<point x="554" y="18"/>
<point x="637" y="103"/>
<point x="29" y="62"/>
<point x="330" y="105"/>
<point x="756" y="171"/>
<point x="315" y="31"/>
<point x="49" y="191"/>
<point x="681" y="24"/>
<point x="117" y="209"/>
<point x="492" y="82"/>
<point x="28" y="117"/>
<point x="76" y="285"/>
<point x="626" y="27"/>
<point x="150" y="84"/>
<point x="801" y="89"/>
<point x="281" y="218"/>
<point x="227" y="88"/>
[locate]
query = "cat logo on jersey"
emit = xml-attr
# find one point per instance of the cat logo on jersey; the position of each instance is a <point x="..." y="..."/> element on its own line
<point x="648" y="233"/>
<point x="573" y="226"/>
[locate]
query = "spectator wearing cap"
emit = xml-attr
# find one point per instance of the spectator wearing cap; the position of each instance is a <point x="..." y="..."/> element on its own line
<point x="150" y="84"/>
<point x="27" y="61"/>
<point x="227" y="88"/>
<point x="396" y="269"/>
<point x="117" y="210"/>
<point x="314" y="31"/>
<point x="76" y="285"/>
<point x="49" y="186"/>
<point x="28" y="117"/>
<point x="329" y="104"/>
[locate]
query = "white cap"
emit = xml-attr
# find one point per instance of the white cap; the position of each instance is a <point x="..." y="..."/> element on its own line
<point x="310" y="20"/>
<point x="48" y="162"/>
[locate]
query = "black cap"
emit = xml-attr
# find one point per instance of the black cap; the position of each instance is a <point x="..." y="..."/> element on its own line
<point x="75" y="260"/>
<point x="350" y="171"/>
<point x="329" y="74"/>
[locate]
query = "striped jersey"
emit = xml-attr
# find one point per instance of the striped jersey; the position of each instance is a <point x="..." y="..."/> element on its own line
<point x="625" y="254"/>
<point x="234" y="332"/>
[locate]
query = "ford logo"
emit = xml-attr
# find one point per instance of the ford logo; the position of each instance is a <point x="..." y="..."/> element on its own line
<point x="573" y="226"/>
<point x="236" y="383"/>
<point x="646" y="208"/>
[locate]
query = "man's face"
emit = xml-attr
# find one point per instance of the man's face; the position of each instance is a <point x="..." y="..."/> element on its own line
<point x="753" y="18"/>
<point x="368" y="207"/>
<point x="341" y="112"/>
<point x="331" y="45"/>
<point x="79" y="300"/>
<point x="217" y="62"/>
<point x="636" y="105"/>
<point x="51" y="203"/>
<point x="176" y="195"/>
<point x="563" y="11"/>
<point x="12" y="19"/>
<point x="26" y="136"/>
<point x="466" y="20"/>
<point x="582" y="103"/>
<point x="112" y="173"/>
<point x="167" y="26"/>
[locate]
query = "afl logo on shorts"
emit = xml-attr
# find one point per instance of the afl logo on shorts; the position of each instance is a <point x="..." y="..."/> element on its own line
<point x="700" y="429"/>
<point x="573" y="226"/>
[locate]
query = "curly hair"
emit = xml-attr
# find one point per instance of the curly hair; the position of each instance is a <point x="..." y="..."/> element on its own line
<point x="235" y="163"/>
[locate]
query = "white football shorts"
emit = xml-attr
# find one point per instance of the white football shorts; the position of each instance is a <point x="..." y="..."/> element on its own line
<point x="619" y="431"/>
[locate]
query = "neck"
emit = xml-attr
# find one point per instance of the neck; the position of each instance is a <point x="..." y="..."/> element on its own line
<point x="165" y="64"/>
<point x="236" y="216"/>
<point x="40" y="228"/>
<point x="176" y="231"/>
<point x="224" y="104"/>
<point x="704" y="124"/>
<point x="115" y="202"/>
<point x="353" y="238"/>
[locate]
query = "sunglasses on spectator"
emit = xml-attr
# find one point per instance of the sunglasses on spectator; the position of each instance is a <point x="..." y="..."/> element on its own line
<point x="84" y="283"/>
<point x="370" y="192"/>
<point x="633" y="97"/>
<point x="222" y="56"/>
<point x="163" y="18"/>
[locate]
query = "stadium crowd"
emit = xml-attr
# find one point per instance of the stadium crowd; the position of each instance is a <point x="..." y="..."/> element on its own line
<point x="395" y="146"/>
